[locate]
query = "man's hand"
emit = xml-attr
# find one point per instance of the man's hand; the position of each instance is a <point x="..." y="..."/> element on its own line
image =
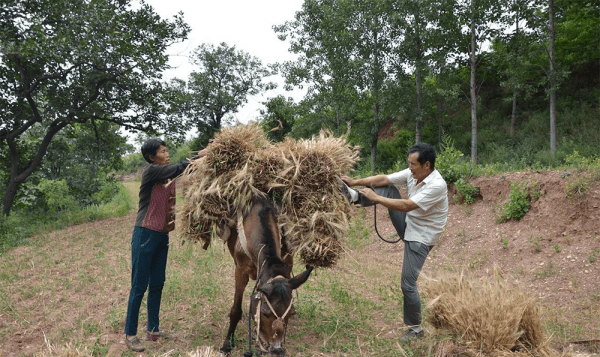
<point x="348" y="180"/>
<point x="369" y="194"/>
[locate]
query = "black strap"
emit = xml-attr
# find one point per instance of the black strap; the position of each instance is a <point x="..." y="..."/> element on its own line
<point x="375" y="224"/>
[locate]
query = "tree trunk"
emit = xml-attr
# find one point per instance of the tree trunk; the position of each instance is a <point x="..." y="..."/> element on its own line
<point x="419" y="79"/>
<point x="337" y="116"/>
<point x="513" y="116"/>
<point x="441" y="110"/>
<point x="473" y="90"/>
<point x="552" y="81"/>
<point x="374" y="140"/>
<point x="419" y="128"/>
<point x="17" y="178"/>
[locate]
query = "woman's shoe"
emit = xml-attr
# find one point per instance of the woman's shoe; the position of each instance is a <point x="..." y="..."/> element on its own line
<point x="134" y="344"/>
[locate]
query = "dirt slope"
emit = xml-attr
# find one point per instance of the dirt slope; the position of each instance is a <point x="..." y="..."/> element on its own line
<point x="553" y="252"/>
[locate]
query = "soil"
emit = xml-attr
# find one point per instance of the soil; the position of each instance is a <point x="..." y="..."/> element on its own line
<point x="553" y="252"/>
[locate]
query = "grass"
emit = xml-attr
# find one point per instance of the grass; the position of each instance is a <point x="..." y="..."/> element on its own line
<point x="19" y="227"/>
<point x="70" y="288"/>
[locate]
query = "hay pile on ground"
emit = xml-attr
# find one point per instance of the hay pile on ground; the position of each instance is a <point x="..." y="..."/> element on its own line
<point x="299" y="176"/>
<point x="489" y="315"/>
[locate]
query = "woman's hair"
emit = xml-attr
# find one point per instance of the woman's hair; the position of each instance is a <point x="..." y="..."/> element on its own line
<point x="426" y="153"/>
<point x="150" y="147"/>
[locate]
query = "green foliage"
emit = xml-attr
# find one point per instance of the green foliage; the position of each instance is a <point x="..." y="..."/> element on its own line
<point x="56" y="195"/>
<point x="578" y="161"/>
<point x="222" y="82"/>
<point x="451" y="163"/>
<point x="390" y="152"/>
<point x="588" y="174"/>
<point x="467" y="193"/>
<point x="519" y="200"/>
<point x="278" y="118"/>
<point x="88" y="65"/>
<point x="18" y="227"/>
<point x="132" y="163"/>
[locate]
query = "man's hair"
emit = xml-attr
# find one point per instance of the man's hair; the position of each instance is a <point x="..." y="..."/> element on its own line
<point x="426" y="153"/>
<point x="150" y="147"/>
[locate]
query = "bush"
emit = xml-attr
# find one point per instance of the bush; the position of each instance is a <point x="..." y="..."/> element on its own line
<point x="467" y="193"/>
<point x="391" y="152"/>
<point x="109" y="187"/>
<point x="519" y="200"/>
<point x="20" y="225"/>
<point x="56" y="195"/>
<point x="451" y="163"/>
<point x="132" y="163"/>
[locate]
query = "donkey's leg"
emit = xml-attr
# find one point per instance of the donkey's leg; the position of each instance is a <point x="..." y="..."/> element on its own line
<point x="235" y="314"/>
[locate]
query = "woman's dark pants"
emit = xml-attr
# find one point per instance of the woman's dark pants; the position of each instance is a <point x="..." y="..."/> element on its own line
<point x="149" y="251"/>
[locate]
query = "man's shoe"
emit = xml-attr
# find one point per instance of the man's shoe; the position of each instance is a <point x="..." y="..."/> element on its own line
<point x="134" y="344"/>
<point x="411" y="335"/>
<point x="154" y="336"/>
<point x="345" y="190"/>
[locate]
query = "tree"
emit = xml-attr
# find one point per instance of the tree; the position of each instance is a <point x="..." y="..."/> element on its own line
<point x="552" y="75"/>
<point x="344" y="48"/>
<point x="76" y="61"/>
<point x="326" y="64"/>
<point x="278" y="117"/>
<point x="423" y="31"/>
<point x="225" y="78"/>
<point x="477" y="15"/>
<point x="513" y="52"/>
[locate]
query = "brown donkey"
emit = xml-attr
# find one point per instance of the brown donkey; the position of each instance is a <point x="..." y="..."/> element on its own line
<point x="260" y="253"/>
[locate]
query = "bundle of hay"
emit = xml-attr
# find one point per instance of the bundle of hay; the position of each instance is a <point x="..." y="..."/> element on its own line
<point x="220" y="182"/>
<point x="488" y="314"/>
<point x="314" y="213"/>
<point x="299" y="176"/>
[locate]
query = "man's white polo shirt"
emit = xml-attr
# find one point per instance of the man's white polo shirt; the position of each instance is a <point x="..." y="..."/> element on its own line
<point x="426" y="223"/>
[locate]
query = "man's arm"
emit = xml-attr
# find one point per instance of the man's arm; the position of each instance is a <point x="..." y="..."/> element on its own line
<point x="375" y="181"/>
<point x="398" y="204"/>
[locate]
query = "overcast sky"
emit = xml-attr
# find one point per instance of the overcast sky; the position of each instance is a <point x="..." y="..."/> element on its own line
<point x="243" y="23"/>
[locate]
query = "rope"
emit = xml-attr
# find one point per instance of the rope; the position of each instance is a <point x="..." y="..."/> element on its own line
<point x="375" y="224"/>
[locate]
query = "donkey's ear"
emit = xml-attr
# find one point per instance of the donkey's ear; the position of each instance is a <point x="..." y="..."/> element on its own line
<point x="298" y="280"/>
<point x="266" y="288"/>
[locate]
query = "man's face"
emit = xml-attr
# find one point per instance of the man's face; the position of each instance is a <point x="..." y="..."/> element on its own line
<point x="418" y="171"/>
<point x="162" y="156"/>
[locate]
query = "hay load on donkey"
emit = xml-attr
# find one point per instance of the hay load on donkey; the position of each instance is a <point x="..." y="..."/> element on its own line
<point x="298" y="176"/>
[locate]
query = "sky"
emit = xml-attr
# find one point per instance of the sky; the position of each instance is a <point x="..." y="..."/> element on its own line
<point x="245" y="24"/>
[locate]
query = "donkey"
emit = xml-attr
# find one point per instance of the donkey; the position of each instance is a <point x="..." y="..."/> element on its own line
<point x="260" y="253"/>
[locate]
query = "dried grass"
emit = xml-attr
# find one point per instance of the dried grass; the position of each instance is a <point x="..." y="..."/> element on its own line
<point x="489" y="315"/>
<point x="299" y="176"/>
<point x="204" y="352"/>
<point x="67" y="350"/>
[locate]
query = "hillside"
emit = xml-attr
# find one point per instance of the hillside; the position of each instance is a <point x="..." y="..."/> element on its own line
<point x="65" y="294"/>
<point x="552" y="252"/>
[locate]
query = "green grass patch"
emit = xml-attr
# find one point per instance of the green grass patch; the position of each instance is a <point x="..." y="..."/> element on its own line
<point x="16" y="229"/>
<point x="519" y="200"/>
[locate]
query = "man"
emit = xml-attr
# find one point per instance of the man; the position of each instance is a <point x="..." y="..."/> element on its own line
<point x="418" y="219"/>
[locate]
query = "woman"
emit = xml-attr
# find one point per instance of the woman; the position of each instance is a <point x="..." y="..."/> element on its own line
<point x="150" y="239"/>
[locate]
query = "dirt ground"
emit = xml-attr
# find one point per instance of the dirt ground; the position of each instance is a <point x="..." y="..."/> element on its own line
<point x="553" y="253"/>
